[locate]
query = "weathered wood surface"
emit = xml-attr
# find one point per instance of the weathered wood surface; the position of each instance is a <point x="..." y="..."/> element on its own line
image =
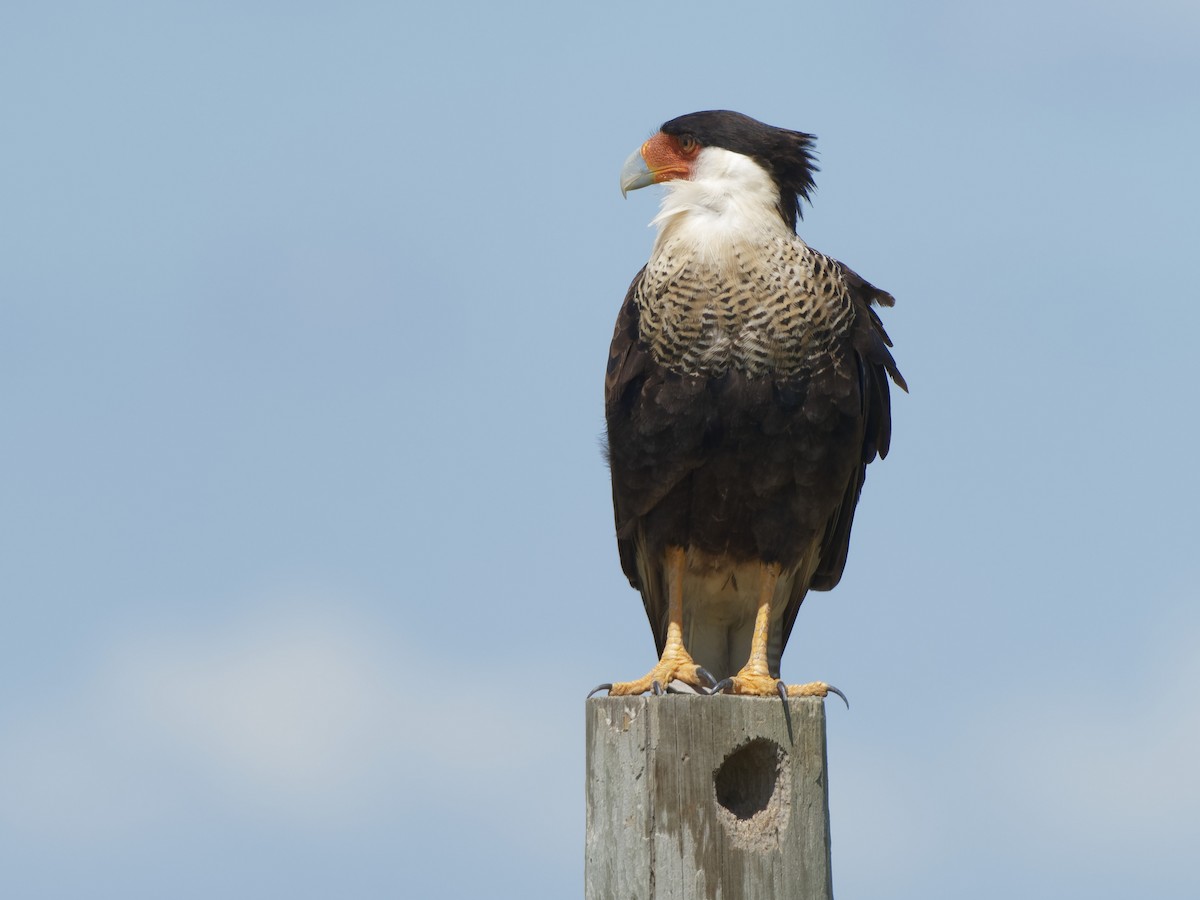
<point x="706" y="797"/>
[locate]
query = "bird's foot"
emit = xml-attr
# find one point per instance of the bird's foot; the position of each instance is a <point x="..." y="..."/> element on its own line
<point x="753" y="681"/>
<point x="814" y="689"/>
<point x="675" y="665"/>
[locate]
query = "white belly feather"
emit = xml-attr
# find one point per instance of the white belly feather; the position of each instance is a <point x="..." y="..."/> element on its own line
<point x="720" y="603"/>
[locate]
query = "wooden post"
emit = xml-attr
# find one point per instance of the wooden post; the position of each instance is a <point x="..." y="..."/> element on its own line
<point x="706" y="797"/>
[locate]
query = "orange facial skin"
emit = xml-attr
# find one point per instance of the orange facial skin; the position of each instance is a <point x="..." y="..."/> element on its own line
<point x="669" y="157"/>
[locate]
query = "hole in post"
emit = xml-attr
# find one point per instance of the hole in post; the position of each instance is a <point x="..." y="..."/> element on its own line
<point x="747" y="780"/>
<point x="753" y="793"/>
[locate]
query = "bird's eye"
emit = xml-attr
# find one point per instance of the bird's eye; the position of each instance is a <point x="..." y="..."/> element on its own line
<point x="688" y="144"/>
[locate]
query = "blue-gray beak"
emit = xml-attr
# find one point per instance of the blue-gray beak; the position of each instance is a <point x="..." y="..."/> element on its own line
<point x="635" y="173"/>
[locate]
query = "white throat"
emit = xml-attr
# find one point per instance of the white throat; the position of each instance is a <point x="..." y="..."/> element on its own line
<point x="730" y="201"/>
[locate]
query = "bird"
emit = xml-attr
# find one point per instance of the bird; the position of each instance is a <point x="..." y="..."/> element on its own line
<point x="746" y="392"/>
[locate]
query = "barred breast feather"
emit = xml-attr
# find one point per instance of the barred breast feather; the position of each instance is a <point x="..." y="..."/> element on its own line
<point x="771" y="307"/>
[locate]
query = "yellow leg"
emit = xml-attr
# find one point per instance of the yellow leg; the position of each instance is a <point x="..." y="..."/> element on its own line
<point x="755" y="678"/>
<point x="676" y="663"/>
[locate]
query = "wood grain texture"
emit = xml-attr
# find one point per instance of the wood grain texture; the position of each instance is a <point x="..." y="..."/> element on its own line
<point x="706" y="797"/>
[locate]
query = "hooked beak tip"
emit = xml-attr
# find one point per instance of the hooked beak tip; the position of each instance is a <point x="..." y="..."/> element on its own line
<point x="635" y="173"/>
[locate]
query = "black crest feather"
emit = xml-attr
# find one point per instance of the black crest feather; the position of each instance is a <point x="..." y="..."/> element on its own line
<point x="787" y="155"/>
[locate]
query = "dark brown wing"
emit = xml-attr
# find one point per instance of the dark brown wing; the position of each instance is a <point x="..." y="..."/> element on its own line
<point x="627" y="363"/>
<point x="874" y="364"/>
<point x="652" y="446"/>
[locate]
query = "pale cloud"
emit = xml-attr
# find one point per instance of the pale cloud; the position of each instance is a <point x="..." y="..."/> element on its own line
<point x="299" y="713"/>
<point x="290" y="710"/>
<point x="1109" y="766"/>
<point x="1093" y="772"/>
<point x="304" y="714"/>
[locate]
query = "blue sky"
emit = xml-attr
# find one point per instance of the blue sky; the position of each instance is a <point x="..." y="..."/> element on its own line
<point x="306" y="539"/>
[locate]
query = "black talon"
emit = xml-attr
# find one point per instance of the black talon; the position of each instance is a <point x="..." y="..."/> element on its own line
<point x="720" y="686"/>
<point x="787" y="709"/>
<point x="834" y="690"/>
<point x="599" y="687"/>
<point x="656" y="688"/>
<point x="706" y="677"/>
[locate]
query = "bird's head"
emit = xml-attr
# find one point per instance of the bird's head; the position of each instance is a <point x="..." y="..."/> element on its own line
<point x="729" y="150"/>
